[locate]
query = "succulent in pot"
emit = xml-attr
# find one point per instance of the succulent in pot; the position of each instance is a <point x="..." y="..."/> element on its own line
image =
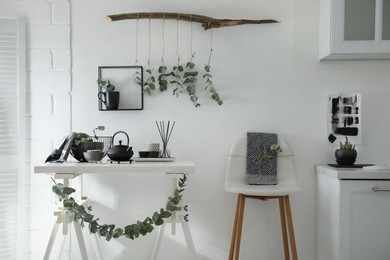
<point x="346" y="154"/>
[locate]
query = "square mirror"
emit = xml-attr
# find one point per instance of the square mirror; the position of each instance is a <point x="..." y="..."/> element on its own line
<point x="128" y="81"/>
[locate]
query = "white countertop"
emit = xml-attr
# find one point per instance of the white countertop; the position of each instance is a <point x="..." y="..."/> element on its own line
<point x="77" y="168"/>
<point x="353" y="173"/>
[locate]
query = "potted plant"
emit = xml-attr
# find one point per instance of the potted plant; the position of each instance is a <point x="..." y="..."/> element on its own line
<point x="110" y="97"/>
<point x="83" y="142"/>
<point x="346" y="154"/>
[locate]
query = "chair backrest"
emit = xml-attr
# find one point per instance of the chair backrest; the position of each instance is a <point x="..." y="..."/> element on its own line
<point x="236" y="165"/>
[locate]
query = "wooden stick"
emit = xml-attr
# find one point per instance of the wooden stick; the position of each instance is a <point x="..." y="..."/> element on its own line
<point x="206" y="21"/>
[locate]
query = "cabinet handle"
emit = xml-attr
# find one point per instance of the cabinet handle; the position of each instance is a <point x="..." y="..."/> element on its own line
<point x="381" y="189"/>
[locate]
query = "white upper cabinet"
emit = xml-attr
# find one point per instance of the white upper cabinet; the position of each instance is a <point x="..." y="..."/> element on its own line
<point x="354" y="29"/>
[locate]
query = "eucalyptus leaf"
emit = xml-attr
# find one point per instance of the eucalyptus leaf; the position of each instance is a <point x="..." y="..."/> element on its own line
<point x="190" y="65"/>
<point x="194" y="98"/>
<point x="162" y="69"/>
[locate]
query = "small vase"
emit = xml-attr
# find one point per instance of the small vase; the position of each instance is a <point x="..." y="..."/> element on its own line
<point x="345" y="157"/>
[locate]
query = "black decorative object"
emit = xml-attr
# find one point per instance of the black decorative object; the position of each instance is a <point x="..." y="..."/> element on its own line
<point x="102" y="143"/>
<point x="110" y="99"/>
<point x="120" y="152"/>
<point x="261" y="163"/>
<point x="347" y="154"/>
<point x="128" y="81"/>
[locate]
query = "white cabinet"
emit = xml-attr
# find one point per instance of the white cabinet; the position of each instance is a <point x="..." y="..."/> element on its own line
<point x="353" y="214"/>
<point x="354" y="29"/>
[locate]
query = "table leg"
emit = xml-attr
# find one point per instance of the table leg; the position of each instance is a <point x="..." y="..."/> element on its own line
<point x="188" y="237"/>
<point x="52" y="238"/>
<point x="80" y="239"/>
<point x="96" y="247"/>
<point x="158" y="241"/>
<point x="60" y="247"/>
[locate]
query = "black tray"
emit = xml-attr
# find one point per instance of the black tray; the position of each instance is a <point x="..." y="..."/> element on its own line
<point x="357" y="165"/>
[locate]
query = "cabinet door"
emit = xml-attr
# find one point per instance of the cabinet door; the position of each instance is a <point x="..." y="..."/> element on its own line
<point x="365" y="220"/>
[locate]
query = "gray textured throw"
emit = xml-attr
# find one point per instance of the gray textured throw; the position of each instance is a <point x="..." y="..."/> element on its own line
<point x="260" y="172"/>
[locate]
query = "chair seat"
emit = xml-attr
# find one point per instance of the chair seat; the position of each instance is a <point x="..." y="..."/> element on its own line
<point x="284" y="188"/>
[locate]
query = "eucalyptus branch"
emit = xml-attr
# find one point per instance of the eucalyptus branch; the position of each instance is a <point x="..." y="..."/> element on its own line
<point x="210" y="86"/>
<point x="109" y="231"/>
<point x="190" y="80"/>
<point x="149" y="85"/>
<point x="163" y="78"/>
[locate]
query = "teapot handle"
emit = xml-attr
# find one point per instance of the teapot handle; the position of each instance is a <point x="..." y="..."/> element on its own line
<point x="123" y="132"/>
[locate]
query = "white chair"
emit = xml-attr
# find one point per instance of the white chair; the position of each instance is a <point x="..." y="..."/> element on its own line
<point x="235" y="183"/>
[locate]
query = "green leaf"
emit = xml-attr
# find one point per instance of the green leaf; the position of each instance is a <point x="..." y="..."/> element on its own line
<point x="207" y="68"/>
<point x="155" y="216"/>
<point x="190" y="65"/>
<point x="68" y="190"/>
<point x="159" y="222"/>
<point x="88" y="218"/>
<point x="57" y="189"/>
<point x="152" y="86"/>
<point x="103" y="230"/>
<point x="149" y="71"/>
<point x="190" y="80"/>
<point x="165" y="214"/>
<point x="193" y="99"/>
<point x="207" y="75"/>
<point x="93" y="228"/>
<point x="117" y="233"/>
<point x="191" y="89"/>
<point x="190" y="74"/>
<point x="180" y="68"/>
<point x="162" y="69"/>
<point x="220" y="102"/>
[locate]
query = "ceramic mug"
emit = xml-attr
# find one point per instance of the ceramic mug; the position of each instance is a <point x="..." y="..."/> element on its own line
<point x="110" y="99"/>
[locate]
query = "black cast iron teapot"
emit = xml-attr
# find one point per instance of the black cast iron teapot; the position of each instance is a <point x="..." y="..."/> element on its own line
<point x="120" y="152"/>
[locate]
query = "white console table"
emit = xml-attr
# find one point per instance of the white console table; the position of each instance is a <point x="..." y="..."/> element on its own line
<point x="353" y="213"/>
<point x="70" y="170"/>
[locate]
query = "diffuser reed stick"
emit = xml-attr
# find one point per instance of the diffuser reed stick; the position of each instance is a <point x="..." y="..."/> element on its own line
<point x="165" y="134"/>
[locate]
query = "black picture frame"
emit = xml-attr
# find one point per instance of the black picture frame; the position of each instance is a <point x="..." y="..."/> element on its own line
<point x="122" y="77"/>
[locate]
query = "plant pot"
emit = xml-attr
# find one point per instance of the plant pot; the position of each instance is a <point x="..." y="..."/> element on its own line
<point x="345" y="157"/>
<point x="110" y="99"/>
<point x="78" y="150"/>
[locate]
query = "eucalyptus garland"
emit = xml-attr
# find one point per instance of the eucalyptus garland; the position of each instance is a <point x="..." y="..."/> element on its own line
<point x="109" y="231"/>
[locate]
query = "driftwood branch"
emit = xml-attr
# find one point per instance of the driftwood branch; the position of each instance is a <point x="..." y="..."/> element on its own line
<point x="206" y="21"/>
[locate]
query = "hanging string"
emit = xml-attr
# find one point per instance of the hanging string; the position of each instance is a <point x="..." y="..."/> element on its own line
<point x="192" y="54"/>
<point x="136" y="42"/>
<point x="211" y="45"/>
<point x="150" y="41"/>
<point x="163" y="40"/>
<point x="177" y="40"/>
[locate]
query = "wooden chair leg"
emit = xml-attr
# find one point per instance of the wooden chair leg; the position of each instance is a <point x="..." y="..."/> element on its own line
<point x="237" y="228"/>
<point x="293" y="247"/>
<point x="284" y="229"/>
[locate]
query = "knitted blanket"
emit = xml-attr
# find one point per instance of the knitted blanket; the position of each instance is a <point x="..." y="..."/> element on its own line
<point x="261" y="165"/>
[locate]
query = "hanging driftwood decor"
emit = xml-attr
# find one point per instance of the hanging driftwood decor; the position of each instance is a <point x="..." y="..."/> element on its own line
<point x="206" y="21"/>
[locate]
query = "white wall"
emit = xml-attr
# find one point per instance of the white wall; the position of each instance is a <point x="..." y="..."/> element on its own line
<point x="270" y="80"/>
